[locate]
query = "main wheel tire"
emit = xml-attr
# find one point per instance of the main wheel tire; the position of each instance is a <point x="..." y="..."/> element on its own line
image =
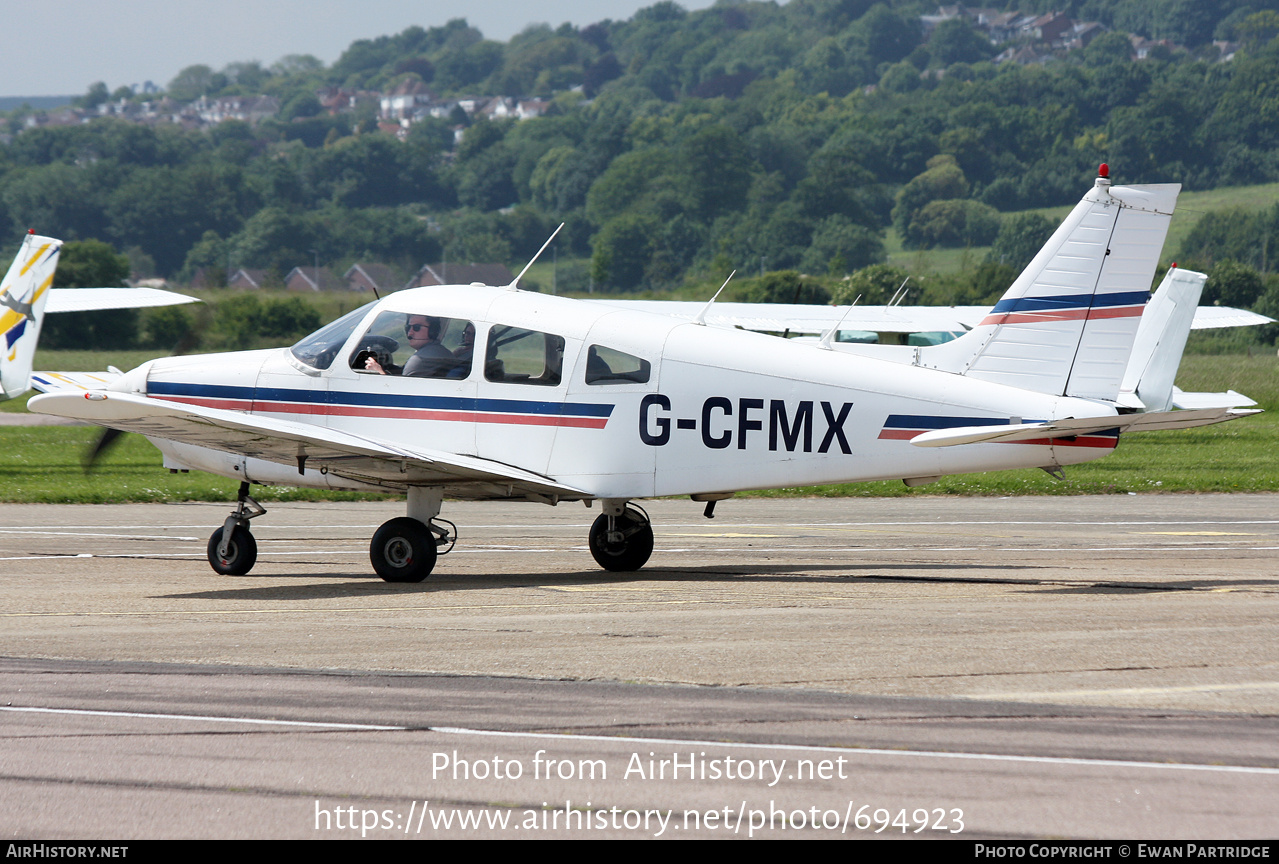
<point x="403" y="550"/>
<point x="631" y="551"/>
<point x="241" y="553"/>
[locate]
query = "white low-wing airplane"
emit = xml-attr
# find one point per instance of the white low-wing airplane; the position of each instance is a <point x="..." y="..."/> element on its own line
<point x="26" y="296"/>
<point x="502" y="393"/>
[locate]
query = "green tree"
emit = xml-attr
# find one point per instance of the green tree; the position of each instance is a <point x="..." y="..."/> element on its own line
<point x="1020" y="238"/>
<point x="1232" y="284"/>
<point x="875" y="285"/>
<point x="943" y="181"/>
<point x="167" y="328"/>
<point x="623" y="250"/>
<point x="91" y="264"/>
<point x="953" y="223"/>
<point x="786" y="286"/>
<point x="839" y="247"/>
<point x="96" y="95"/>
<point x="955" y="41"/>
<point x="192" y="83"/>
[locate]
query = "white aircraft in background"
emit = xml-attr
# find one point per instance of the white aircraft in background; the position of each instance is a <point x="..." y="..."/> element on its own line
<point x="512" y="394"/>
<point x="26" y="296"/>
<point x="881" y="325"/>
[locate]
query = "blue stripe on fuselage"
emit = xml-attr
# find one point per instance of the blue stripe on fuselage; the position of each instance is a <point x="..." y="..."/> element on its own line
<point x="379" y="400"/>
<point x="1076" y="301"/>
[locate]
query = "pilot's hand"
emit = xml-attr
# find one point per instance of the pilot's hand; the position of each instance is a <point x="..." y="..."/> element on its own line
<point x="371" y="365"/>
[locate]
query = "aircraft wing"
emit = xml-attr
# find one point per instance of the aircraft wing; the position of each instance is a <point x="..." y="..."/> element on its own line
<point x="285" y="442"/>
<point x="1144" y="422"/>
<point x="801" y="318"/>
<point x="97" y="299"/>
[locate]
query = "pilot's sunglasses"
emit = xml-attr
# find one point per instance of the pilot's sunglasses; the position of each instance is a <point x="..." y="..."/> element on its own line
<point x="410" y="328"/>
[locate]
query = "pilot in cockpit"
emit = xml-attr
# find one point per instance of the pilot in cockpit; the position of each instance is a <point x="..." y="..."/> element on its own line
<point x="430" y="358"/>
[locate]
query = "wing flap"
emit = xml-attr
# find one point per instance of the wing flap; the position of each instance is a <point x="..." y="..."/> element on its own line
<point x="285" y="442"/>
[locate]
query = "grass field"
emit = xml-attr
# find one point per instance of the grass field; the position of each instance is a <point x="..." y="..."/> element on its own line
<point x="43" y="463"/>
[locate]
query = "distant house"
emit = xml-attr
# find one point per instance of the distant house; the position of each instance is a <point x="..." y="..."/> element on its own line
<point x="312" y="279"/>
<point x="251" y="109"/>
<point x="405" y="98"/>
<point x="246" y="278"/>
<point x="1084" y="32"/>
<point x="1049" y="27"/>
<point x="498" y="108"/>
<point x="527" y="109"/>
<point x="378" y="278"/>
<point x="462" y="274"/>
<point x="209" y="277"/>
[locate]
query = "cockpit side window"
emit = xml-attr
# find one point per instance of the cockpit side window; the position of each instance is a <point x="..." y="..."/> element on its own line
<point x="609" y="366"/>
<point x="415" y="346"/>
<point x="320" y="348"/>
<point x="518" y="356"/>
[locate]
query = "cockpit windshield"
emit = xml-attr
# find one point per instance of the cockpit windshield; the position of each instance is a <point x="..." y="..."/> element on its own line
<point x="319" y="349"/>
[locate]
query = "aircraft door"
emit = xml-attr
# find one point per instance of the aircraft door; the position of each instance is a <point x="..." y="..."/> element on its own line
<point x="521" y="405"/>
<point x="615" y="377"/>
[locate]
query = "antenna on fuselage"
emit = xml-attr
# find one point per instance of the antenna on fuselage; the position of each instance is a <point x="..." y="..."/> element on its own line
<point x="900" y="294"/>
<point x="701" y="316"/>
<point x="824" y="342"/>
<point x="515" y="283"/>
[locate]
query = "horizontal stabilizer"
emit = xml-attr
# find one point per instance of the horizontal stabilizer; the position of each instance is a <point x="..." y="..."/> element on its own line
<point x="1073" y="426"/>
<point x="1229" y="399"/>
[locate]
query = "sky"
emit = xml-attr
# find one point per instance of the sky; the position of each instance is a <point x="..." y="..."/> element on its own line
<point x="60" y="47"/>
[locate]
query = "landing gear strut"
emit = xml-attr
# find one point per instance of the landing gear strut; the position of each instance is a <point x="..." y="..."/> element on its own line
<point x="622" y="537"/>
<point x="232" y="549"/>
<point x="405" y="549"/>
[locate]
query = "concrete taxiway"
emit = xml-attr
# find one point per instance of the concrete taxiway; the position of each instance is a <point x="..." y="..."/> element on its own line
<point x="1079" y="667"/>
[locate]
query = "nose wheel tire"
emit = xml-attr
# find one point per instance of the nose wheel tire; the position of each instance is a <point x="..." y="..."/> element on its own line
<point x="403" y="550"/>
<point x="241" y="553"/>
<point x="627" y="546"/>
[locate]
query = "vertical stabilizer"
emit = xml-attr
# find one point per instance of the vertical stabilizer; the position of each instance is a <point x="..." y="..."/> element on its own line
<point x="1161" y="339"/>
<point x="22" y="298"/>
<point x="1066" y="325"/>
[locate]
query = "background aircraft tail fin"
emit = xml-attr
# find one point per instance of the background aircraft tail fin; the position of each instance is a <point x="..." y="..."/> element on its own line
<point x="23" y="295"/>
<point x="1066" y="325"/>
<point x="1160" y="341"/>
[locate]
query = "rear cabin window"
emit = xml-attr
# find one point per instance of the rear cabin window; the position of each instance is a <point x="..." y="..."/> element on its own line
<point x="610" y="366"/>
<point x="518" y="356"/>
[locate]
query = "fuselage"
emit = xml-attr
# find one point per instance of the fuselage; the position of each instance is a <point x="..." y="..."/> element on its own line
<point x="617" y="403"/>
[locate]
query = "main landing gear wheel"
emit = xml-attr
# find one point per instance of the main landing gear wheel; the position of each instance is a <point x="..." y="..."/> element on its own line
<point x="622" y="543"/>
<point x="403" y="550"/>
<point x="241" y="552"/>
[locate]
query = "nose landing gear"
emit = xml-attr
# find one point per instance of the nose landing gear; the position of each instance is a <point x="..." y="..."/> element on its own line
<point x="232" y="550"/>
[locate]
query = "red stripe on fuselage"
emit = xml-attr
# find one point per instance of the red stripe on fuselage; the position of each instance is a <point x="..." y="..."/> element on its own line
<point x="1064" y="315"/>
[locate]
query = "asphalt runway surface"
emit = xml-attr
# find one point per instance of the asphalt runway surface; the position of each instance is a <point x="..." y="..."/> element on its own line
<point x="1099" y="667"/>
